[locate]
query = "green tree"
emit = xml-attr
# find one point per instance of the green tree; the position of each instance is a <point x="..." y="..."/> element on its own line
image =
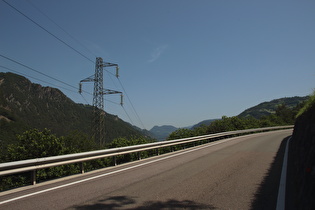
<point x="77" y="141"/>
<point x="201" y="130"/>
<point x="285" y="114"/>
<point x="36" y="144"/>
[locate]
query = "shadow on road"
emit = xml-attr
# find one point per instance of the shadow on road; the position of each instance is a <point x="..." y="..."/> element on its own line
<point x="267" y="193"/>
<point x="125" y="202"/>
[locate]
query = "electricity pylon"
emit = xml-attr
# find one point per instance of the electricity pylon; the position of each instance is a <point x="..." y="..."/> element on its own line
<point x="98" y="99"/>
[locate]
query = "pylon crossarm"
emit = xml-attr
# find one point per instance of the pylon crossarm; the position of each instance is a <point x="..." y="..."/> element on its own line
<point x="106" y="64"/>
<point x="89" y="79"/>
<point x="108" y="91"/>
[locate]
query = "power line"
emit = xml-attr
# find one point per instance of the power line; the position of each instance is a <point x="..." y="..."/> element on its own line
<point x="12" y="70"/>
<point x="112" y="102"/>
<point x="36" y="78"/>
<point x="137" y="115"/>
<point x="14" y="61"/>
<point x="128" y="115"/>
<point x="131" y="104"/>
<point x="59" y="39"/>
<point x="47" y="31"/>
<point x="18" y="72"/>
<point x="46" y="75"/>
<point x="54" y="85"/>
<point x="84" y="99"/>
<point x="72" y="37"/>
<point x="111" y="74"/>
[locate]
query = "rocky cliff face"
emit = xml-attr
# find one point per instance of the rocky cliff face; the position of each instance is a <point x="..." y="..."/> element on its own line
<point x="303" y="147"/>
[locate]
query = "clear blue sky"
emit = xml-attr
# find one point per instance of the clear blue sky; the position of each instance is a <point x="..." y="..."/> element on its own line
<point x="180" y="61"/>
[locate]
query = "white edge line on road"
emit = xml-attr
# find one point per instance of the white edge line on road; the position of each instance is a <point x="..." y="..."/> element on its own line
<point x="117" y="171"/>
<point x="283" y="180"/>
<point x="109" y="173"/>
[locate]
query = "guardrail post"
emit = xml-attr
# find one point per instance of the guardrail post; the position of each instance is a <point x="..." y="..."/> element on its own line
<point x="157" y="152"/>
<point x="82" y="168"/>
<point x="115" y="160"/>
<point x="33" y="177"/>
<point x="139" y="155"/>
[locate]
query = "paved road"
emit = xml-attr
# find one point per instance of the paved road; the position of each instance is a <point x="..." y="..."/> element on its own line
<point x="230" y="174"/>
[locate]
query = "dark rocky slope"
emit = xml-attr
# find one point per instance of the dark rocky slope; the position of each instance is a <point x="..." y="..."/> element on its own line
<point x="302" y="147"/>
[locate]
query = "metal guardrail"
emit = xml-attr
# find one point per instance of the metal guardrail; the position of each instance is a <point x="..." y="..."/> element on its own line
<point x="47" y="162"/>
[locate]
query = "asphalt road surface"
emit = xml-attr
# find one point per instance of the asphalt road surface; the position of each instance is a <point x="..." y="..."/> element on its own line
<point x="236" y="173"/>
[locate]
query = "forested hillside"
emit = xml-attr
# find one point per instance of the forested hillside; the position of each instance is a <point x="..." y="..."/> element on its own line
<point x="24" y="106"/>
<point x="270" y="107"/>
<point x="282" y="114"/>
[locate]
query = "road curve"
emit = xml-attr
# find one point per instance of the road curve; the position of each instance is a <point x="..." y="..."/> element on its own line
<point x="227" y="174"/>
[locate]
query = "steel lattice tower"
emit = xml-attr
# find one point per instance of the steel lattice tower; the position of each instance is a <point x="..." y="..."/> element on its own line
<point x="98" y="102"/>
<point x="98" y="99"/>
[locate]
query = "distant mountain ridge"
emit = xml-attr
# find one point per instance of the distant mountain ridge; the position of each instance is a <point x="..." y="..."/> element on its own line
<point x="25" y="105"/>
<point x="162" y="132"/>
<point x="204" y="122"/>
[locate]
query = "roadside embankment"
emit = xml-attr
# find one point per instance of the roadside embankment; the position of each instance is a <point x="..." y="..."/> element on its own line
<point x="303" y="159"/>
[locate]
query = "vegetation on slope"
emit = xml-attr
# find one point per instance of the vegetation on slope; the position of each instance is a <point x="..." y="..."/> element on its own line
<point x="268" y="108"/>
<point x="283" y="116"/>
<point x="307" y="105"/>
<point x="25" y="106"/>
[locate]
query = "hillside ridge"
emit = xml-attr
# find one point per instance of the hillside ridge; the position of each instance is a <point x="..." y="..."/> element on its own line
<point x="269" y="107"/>
<point x="26" y="105"/>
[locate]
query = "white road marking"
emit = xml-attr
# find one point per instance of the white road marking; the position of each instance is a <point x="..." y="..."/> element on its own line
<point x="283" y="180"/>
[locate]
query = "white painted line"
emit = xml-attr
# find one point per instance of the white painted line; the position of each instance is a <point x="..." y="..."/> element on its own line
<point x="114" y="172"/>
<point x="283" y="180"/>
